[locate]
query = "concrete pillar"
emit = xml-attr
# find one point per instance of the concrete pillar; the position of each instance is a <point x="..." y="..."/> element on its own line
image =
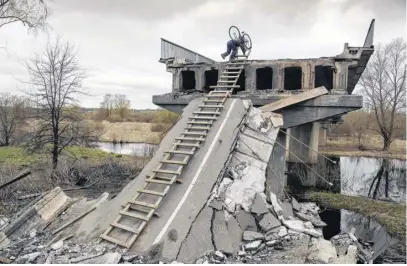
<point x="322" y="136"/>
<point x="276" y="179"/>
<point x="199" y="79"/>
<point x="176" y="79"/>
<point x="308" y="134"/>
<point x="250" y="83"/>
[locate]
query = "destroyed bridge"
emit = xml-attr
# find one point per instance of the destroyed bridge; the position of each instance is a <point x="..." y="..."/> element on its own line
<point x="217" y="180"/>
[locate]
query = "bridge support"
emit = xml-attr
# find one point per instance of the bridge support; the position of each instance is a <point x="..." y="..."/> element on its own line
<point x="308" y="134"/>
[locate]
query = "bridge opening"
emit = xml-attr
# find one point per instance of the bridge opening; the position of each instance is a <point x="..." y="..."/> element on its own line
<point x="241" y="82"/>
<point x="324" y="76"/>
<point x="188" y="80"/>
<point x="292" y="78"/>
<point x="264" y="78"/>
<point x="211" y="79"/>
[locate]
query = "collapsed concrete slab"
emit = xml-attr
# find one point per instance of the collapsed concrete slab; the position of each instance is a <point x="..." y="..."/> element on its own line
<point x="37" y="215"/>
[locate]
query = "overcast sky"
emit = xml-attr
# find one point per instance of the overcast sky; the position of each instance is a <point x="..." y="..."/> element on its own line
<point x="119" y="41"/>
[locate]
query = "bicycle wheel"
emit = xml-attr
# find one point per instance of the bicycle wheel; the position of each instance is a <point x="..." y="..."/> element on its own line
<point x="247" y="41"/>
<point x="234" y="33"/>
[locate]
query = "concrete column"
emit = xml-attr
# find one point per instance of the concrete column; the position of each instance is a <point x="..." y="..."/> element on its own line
<point x="275" y="174"/>
<point x="199" y="79"/>
<point x="176" y="79"/>
<point x="250" y="83"/>
<point x="308" y="134"/>
<point x="322" y="136"/>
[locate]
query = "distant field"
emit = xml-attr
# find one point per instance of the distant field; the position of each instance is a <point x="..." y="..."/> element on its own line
<point x="133" y="132"/>
<point x="372" y="145"/>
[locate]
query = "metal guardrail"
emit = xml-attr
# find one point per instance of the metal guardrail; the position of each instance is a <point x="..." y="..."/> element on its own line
<point x="171" y="51"/>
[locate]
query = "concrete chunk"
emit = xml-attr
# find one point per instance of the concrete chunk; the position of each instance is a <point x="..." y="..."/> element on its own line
<point x="253" y="245"/>
<point x="351" y="257"/>
<point x="109" y="258"/>
<point x="321" y="251"/>
<point x="259" y="205"/>
<point x="314" y="221"/>
<point x="216" y="204"/>
<point x="277" y="208"/>
<point x="287" y="209"/>
<point x="269" y="221"/>
<point x="299" y="227"/>
<point x="235" y="234"/>
<point x="246" y="221"/>
<point x="250" y="236"/>
<point x="220" y="234"/>
<point x="296" y="205"/>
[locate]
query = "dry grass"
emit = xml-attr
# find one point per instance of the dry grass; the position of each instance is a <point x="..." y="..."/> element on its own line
<point x="391" y="215"/>
<point x="131" y="132"/>
<point x="372" y="145"/>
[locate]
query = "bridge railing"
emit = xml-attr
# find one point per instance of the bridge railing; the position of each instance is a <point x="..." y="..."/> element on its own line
<point x="172" y="51"/>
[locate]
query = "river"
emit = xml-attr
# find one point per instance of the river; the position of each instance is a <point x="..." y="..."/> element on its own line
<point x="135" y="149"/>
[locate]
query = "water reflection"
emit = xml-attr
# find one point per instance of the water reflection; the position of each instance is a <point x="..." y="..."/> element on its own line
<point x="376" y="178"/>
<point x="136" y="149"/>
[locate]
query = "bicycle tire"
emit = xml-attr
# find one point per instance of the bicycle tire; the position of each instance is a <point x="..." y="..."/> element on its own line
<point x="247" y="41"/>
<point x="231" y="31"/>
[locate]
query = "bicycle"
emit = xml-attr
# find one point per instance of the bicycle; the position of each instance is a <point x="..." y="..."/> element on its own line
<point x="234" y="34"/>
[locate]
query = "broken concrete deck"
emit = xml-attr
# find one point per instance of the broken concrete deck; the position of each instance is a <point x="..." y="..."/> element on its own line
<point x="183" y="203"/>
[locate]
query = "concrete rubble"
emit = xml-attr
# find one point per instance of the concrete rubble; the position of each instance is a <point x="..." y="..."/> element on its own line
<point x="240" y="220"/>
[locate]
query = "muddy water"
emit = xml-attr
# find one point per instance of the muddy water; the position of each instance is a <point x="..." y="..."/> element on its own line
<point x="136" y="149"/>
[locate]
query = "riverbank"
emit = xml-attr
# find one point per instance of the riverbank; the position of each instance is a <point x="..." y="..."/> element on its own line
<point x="371" y="147"/>
<point x="392" y="215"/>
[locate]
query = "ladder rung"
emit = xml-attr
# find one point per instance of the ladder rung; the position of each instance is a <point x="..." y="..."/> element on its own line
<point x="174" y="162"/>
<point x="187" y="144"/>
<point x="144" y="204"/>
<point x="134" y="215"/>
<point x="229" y="77"/>
<point x="231" y="72"/>
<point x="206" y="113"/>
<point x="234" y="63"/>
<point x="149" y="180"/>
<point x="151" y="192"/>
<point x="180" y="152"/>
<point x="114" y="240"/>
<point x="189" y="138"/>
<point x="195" y="133"/>
<point x="204" y="117"/>
<point x="215" y="101"/>
<point x="211" y="106"/>
<point x="166" y="178"/>
<point x="198" y="128"/>
<point x="232" y="67"/>
<point x="200" y="123"/>
<point x="124" y="227"/>
<point x="224" y="86"/>
<point x="162" y="171"/>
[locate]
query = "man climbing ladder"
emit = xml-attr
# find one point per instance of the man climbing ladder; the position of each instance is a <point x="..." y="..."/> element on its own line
<point x="237" y="40"/>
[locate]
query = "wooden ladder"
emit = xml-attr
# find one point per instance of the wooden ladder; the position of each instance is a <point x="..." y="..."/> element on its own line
<point x="143" y="206"/>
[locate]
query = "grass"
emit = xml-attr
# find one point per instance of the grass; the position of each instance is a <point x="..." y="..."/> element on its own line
<point x="391" y="215"/>
<point x="16" y="156"/>
<point x="131" y="132"/>
<point x="348" y="146"/>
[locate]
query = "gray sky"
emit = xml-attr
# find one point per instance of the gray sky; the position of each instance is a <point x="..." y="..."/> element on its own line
<point x="119" y="41"/>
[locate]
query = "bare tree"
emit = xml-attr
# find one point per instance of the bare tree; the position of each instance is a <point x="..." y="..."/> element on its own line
<point x="107" y="104"/>
<point x="31" y="13"/>
<point x="11" y="113"/>
<point x="56" y="79"/>
<point x="121" y="105"/>
<point x="383" y="84"/>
